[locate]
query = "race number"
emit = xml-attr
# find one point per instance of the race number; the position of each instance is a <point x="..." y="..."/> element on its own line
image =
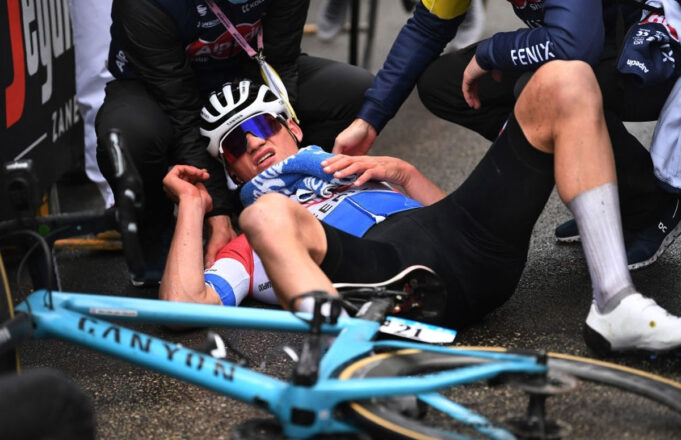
<point x="418" y="331"/>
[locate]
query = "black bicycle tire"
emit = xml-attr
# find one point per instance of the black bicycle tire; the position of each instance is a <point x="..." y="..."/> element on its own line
<point x="381" y="421"/>
<point x="9" y="362"/>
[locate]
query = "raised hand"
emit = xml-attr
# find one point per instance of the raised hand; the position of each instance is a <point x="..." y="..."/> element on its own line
<point x="184" y="181"/>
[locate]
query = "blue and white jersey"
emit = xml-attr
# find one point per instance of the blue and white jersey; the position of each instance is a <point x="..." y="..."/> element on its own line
<point x="335" y="201"/>
<point x="356" y="209"/>
<point x="238" y="272"/>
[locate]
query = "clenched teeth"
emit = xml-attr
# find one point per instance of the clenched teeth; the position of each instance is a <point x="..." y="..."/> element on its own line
<point x="265" y="157"/>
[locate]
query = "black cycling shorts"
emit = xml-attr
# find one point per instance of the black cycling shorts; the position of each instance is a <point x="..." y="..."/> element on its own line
<point x="476" y="238"/>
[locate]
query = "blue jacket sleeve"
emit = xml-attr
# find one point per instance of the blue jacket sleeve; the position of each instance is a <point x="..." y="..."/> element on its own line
<point x="420" y="41"/>
<point x="571" y="30"/>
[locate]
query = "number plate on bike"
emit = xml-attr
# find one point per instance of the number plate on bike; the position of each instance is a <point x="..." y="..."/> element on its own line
<point x="418" y="331"/>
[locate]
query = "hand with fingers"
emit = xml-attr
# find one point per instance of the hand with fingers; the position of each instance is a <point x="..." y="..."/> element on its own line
<point x="185" y="182"/>
<point x="356" y="139"/>
<point x="470" y="83"/>
<point x="380" y="168"/>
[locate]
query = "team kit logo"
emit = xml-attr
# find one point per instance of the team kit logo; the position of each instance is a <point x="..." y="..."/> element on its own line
<point x="224" y="46"/>
<point x="522" y="4"/>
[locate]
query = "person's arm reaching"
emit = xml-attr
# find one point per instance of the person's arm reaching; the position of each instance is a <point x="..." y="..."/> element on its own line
<point x="183" y="278"/>
<point x="420" y="41"/>
<point x="387" y="169"/>
<point x="567" y="31"/>
<point x="356" y="139"/>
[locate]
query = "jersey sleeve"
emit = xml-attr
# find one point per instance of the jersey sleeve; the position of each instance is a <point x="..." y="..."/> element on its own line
<point x="570" y="30"/>
<point x="237" y="273"/>
<point x="419" y="42"/>
<point x="232" y="273"/>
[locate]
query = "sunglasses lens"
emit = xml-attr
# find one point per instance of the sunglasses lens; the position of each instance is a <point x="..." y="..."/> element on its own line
<point x="262" y="126"/>
<point x="234" y="145"/>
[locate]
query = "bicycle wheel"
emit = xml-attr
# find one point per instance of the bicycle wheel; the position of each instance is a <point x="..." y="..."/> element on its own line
<point x="609" y="400"/>
<point x="8" y="361"/>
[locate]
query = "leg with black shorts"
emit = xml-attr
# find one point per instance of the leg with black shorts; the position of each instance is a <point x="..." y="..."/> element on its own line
<point x="643" y="203"/>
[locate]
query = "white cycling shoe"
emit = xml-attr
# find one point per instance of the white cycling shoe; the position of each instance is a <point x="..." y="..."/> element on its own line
<point x="636" y="324"/>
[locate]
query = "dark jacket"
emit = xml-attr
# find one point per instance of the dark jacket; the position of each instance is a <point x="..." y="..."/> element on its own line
<point x="559" y="29"/>
<point x="181" y="52"/>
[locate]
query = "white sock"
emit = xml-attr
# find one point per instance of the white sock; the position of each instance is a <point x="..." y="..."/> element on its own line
<point x="306" y="305"/>
<point x="600" y="228"/>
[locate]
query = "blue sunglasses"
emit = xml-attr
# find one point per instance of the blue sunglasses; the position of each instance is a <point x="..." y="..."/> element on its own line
<point x="234" y="144"/>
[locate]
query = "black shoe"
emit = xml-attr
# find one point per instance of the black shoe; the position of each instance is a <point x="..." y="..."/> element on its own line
<point x="155" y="247"/>
<point x="567" y="232"/>
<point x="645" y="246"/>
<point x="151" y="278"/>
<point x="649" y="243"/>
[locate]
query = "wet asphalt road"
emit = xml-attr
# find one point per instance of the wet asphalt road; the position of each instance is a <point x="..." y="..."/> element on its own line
<point x="546" y="312"/>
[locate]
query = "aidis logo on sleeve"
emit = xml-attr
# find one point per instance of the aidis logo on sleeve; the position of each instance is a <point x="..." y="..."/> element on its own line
<point x="538" y="53"/>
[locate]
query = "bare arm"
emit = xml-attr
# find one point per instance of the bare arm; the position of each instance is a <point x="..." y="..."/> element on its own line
<point x="183" y="276"/>
<point x="388" y="169"/>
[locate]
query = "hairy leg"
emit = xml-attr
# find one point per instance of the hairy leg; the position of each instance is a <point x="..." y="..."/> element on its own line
<point x="291" y="244"/>
<point x="560" y="112"/>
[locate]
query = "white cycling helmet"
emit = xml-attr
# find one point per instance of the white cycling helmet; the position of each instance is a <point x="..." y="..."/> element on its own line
<point x="228" y="108"/>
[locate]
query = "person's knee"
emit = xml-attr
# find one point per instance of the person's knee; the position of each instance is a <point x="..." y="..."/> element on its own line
<point x="145" y="129"/>
<point x="271" y="216"/>
<point x="439" y="87"/>
<point x="562" y="88"/>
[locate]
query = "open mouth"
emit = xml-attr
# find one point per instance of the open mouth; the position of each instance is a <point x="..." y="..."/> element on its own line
<point x="265" y="157"/>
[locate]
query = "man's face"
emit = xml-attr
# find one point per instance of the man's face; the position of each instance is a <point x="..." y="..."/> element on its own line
<point x="263" y="152"/>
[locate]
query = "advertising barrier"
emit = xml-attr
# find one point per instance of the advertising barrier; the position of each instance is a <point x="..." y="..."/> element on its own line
<point x="39" y="118"/>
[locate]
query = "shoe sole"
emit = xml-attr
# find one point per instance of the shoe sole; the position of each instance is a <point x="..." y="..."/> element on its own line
<point x="602" y="347"/>
<point x="144" y="284"/>
<point x="571" y="239"/>
<point x="392" y="280"/>
<point x="430" y="301"/>
<point x="668" y="240"/>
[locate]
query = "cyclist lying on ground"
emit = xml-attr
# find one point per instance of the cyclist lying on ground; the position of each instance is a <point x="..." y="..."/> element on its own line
<point x="476" y="238"/>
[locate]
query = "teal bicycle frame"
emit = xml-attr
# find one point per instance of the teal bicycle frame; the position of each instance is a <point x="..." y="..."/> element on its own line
<point x="303" y="411"/>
